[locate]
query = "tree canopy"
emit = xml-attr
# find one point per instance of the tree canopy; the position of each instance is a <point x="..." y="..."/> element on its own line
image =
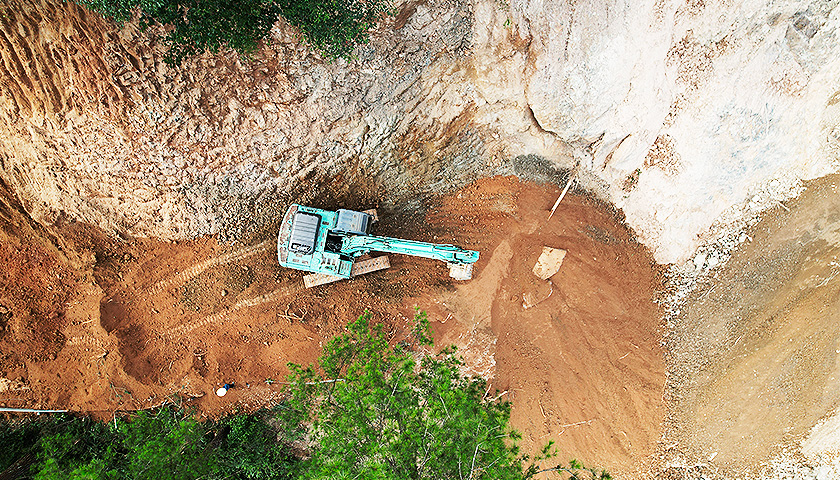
<point x="374" y="414"/>
<point x="166" y="443"/>
<point x="333" y="27"/>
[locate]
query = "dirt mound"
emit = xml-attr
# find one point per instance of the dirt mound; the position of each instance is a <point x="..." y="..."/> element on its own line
<point x="583" y="364"/>
<point x="144" y="320"/>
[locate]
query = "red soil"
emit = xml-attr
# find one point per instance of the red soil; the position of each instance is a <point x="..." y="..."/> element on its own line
<point x="96" y="324"/>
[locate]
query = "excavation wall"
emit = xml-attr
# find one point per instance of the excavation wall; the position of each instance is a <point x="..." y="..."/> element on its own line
<point x="688" y="116"/>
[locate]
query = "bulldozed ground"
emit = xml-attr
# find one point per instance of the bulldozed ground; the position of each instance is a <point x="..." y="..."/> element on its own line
<point x="97" y="325"/>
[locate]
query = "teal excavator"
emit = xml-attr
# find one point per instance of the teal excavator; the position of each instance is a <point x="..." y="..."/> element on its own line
<point x="336" y="245"/>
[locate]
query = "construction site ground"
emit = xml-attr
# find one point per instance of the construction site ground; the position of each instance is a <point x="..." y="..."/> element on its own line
<point x="752" y="355"/>
<point x="98" y="324"/>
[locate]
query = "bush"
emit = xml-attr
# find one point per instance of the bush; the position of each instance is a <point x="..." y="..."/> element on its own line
<point x="17" y="439"/>
<point x="75" y="448"/>
<point x="334" y="27"/>
<point x="251" y="451"/>
<point x="167" y="443"/>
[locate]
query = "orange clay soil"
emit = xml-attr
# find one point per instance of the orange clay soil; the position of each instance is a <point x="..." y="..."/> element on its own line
<point x="96" y="324"/>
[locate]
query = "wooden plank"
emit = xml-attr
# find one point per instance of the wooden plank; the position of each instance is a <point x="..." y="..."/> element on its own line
<point x="371" y="265"/>
<point x="560" y="198"/>
<point x="359" y="268"/>
<point x="315" y="279"/>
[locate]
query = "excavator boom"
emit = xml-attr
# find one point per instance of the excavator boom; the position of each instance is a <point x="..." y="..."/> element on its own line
<point x="360" y="245"/>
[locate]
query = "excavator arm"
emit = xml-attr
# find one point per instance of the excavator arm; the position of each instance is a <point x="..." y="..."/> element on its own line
<point x="358" y="245"/>
<point x="460" y="260"/>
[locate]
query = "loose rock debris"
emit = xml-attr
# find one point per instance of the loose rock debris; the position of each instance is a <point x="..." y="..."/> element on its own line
<point x="549" y="262"/>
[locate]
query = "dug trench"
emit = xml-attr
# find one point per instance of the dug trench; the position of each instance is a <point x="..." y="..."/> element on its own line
<point x="133" y="322"/>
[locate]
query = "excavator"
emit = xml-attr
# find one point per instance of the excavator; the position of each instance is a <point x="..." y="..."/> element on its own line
<point x="336" y="245"/>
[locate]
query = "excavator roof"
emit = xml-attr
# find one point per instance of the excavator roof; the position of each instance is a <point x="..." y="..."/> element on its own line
<point x="304" y="232"/>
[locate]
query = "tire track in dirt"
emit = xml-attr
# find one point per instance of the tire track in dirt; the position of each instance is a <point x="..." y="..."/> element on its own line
<point x="90" y="342"/>
<point x="81" y="341"/>
<point x="231" y="313"/>
<point x="195" y="270"/>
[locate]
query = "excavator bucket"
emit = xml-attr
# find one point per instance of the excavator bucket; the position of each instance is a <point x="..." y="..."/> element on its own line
<point x="461" y="271"/>
<point x="374" y="217"/>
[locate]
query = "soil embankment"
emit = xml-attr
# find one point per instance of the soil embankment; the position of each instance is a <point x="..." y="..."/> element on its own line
<point x="579" y="354"/>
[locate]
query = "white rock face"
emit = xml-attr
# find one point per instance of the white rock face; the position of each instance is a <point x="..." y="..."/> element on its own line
<point x="822" y="446"/>
<point x="690" y="113"/>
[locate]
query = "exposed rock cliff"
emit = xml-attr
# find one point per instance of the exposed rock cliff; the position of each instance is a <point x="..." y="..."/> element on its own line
<point x="688" y="113"/>
<point x="683" y="115"/>
<point x="98" y="128"/>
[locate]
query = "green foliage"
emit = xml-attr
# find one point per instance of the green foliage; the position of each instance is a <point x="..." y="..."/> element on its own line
<point x="250" y="450"/>
<point x="16" y="439"/>
<point x="167" y="443"/>
<point x="574" y="471"/>
<point x="198" y="25"/>
<point x="74" y="448"/>
<point x="332" y="26"/>
<point x="374" y="414"/>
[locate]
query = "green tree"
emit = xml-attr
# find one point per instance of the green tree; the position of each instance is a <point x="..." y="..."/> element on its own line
<point x="374" y="414"/>
<point x="196" y="26"/>
<point x="249" y="450"/>
<point x="75" y="448"/>
<point x="167" y="443"/>
<point x="334" y="27"/>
